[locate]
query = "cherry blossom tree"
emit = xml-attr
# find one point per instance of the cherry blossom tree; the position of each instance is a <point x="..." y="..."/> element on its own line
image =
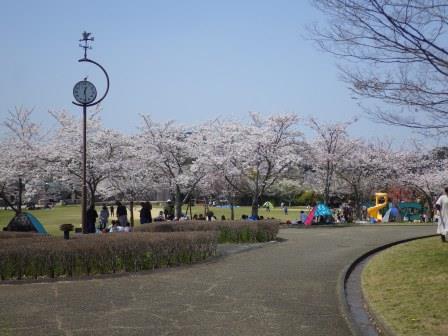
<point x="423" y="170"/>
<point x="20" y="165"/>
<point x="106" y="149"/>
<point x="368" y="167"/>
<point x="290" y="187"/>
<point x="252" y="158"/>
<point x="135" y="180"/>
<point x="331" y="145"/>
<point x="218" y="185"/>
<point x="174" y="154"/>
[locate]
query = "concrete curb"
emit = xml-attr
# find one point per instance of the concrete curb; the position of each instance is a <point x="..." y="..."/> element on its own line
<point x="331" y="226"/>
<point x="342" y="288"/>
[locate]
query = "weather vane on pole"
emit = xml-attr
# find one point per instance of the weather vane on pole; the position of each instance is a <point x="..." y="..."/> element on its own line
<point x="85" y="95"/>
<point x="86" y="38"/>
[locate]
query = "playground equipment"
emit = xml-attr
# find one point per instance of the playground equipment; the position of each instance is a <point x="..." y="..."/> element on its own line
<point x="411" y="211"/>
<point x="406" y="211"/>
<point x="380" y="203"/>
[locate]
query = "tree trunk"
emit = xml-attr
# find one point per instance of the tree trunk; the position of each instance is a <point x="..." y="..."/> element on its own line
<point x="357" y="201"/>
<point x="358" y="208"/>
<point x="232" y="210"/>
<point x="177" y="203"/>
<point x="92" y="191"/>
<point x="255" y="205"/>
<point x="430" y="212"/>
<point x="327" y="184"/>
<point x="205" y="206"/>
<point x="19" y="201"/>
<point x="131" y="209"/>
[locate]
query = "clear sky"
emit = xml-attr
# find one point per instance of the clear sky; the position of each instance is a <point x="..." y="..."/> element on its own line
<point x="185" y="60"/>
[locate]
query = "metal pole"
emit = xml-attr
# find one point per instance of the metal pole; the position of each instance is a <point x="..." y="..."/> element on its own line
<point x="84" y="164"/>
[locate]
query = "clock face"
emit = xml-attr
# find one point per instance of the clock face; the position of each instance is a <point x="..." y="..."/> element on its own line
<point x="84" y="92"/>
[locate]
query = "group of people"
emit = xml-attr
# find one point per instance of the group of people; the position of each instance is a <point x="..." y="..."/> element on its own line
<point x="121" y="213"/>
<point x="209" y="217"/>
<point x="345" y="214"/>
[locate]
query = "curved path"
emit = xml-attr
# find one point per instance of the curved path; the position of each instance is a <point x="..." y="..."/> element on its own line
<point x="288" y="288"/>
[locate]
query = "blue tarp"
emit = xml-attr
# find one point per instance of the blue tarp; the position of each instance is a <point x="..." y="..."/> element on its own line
<point x="37" y="225"/>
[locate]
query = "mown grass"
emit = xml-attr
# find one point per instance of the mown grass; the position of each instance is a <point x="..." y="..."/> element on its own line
<point x="407" y="286"/>
<point x="52" y="218"/>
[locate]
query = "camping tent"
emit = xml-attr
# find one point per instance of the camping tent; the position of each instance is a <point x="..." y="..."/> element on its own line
<point x="25" y="222"/>
<point x="391" y="214"/>
<point x="321" y="210"/>
<point x="268" y="205"/>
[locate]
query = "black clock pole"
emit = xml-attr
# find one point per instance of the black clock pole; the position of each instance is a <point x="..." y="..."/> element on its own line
<point x="84" y="102"/>
<point x="84" y="171"/>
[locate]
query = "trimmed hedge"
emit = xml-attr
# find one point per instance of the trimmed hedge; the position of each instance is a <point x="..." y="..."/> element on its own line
<point x="13" y="234"/>
<point x="229" y="231"/>
<point x="52" y="257"/>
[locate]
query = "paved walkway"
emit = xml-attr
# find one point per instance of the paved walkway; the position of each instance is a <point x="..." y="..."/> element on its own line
<point x="287" y="288"/>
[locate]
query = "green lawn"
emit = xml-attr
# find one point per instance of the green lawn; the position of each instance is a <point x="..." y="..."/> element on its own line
<point x="293" y="213"/>
<point x="52" y="218"/>
<point x="407" y="286"/>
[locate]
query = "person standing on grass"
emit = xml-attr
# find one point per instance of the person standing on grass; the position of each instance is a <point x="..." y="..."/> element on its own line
<point x="122" y="214"/>
<point x="91" y="216"/>
<point x="145" y="213"/>
<point x="104" y="217"/>
<point x="442" y="207"/>
<point x="112" y="213"/>
<point x="143" y="217"/>
<point x="149" y="209"/>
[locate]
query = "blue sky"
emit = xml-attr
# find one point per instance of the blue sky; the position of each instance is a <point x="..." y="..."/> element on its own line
<point x="185" y="60"/>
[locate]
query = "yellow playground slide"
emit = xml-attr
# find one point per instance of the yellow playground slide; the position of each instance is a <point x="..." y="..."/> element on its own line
<point x="374" y="212"/>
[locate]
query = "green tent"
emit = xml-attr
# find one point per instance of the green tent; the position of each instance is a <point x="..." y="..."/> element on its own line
<point x="268" y="205"/>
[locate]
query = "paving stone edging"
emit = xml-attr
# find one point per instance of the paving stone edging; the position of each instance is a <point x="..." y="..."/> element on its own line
<point x="342" y="289"/>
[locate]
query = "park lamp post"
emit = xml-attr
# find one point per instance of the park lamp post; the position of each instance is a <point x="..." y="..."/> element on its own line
<point x="85" y="95"/>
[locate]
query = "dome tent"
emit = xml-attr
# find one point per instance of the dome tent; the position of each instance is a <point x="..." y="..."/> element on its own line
<point x="25" y="222"/>
<point x="320" y="210"/>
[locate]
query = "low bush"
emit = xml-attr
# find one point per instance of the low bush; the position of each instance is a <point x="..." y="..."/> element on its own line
<point x="45" y="256"/>
<point x="12" y="234"/>
<point x="228" y="231"/>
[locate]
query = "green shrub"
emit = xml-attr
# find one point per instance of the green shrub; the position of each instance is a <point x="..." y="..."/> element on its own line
<point x="229" y="231"/>
<point x="45" y="256"/>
